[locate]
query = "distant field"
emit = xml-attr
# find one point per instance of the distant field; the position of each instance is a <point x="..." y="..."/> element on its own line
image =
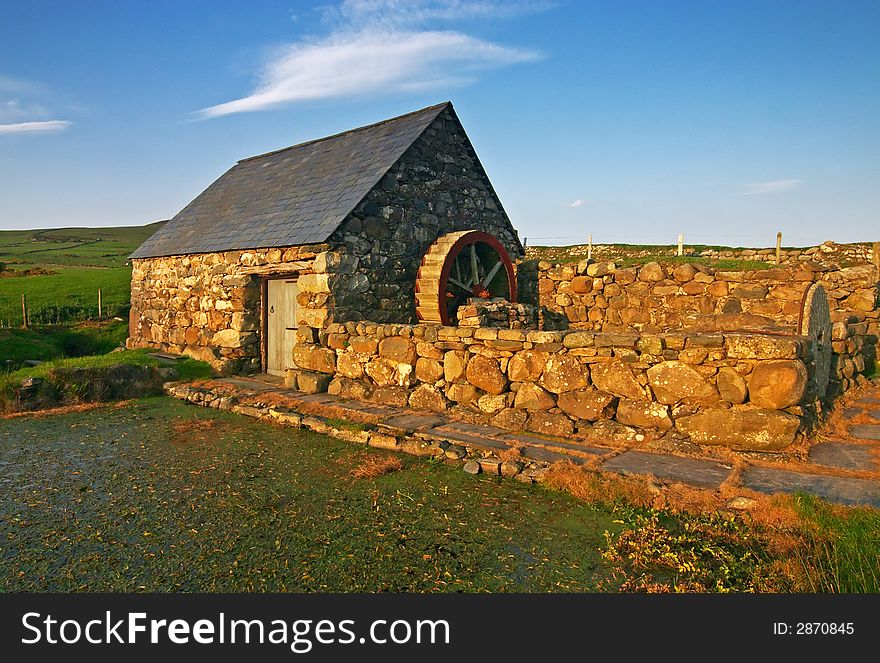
<point x="80" y="261"/>
<point x="93" y="247"/>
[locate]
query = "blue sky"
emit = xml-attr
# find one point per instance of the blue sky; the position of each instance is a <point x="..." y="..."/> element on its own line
<point x="631" y="121"/>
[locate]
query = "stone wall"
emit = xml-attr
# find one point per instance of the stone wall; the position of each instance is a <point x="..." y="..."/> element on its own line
<point x="738" y="389"/>
<point x="208" y="305"/>
<point x="662" y="297"/>
<point x="437" y="187"/>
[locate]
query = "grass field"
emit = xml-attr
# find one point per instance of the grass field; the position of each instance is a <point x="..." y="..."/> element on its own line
<point x="81" y="260"/>
<point x="95" y="247"/>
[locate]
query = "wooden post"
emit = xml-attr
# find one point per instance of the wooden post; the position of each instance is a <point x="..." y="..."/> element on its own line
<point x="680" y="244"/>
<point x="525" y="242"/>
<point x="99" y="303"/>
<point x="778" y="246"/>
<point x="24" y="315"/>
<point x="589" y="247"/>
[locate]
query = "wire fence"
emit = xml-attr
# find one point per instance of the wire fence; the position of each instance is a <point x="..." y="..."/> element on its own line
<point x="20" y="312"/>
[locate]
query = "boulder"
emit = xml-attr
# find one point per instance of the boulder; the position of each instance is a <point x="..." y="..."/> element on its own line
<point x="510" y="419"/>
<point x="777" y="384"/>
<point x="462" y="393"/>
<point x="226" y="338"/>
<point x="532" y="397"/>
<point x="652" y="272"/>
<point x="526" y="366"/>
<point x="315" y="358"/>
<point x="428" y="370"/>
<point x="386" y="372"/>
<point x="581" y="284"/>
<point x="428" y="397"/>
<point x="597" y="269"/>
<point x="347" y="365"/>
<point x="645" y="414"/>
<point x="674" y="382"/>
<point x="347" y="388"/>
<point x="549" y="423"/>
<point x="363" y="345"/>
<point x="741" y="427"/>
<point x="731" y="386"/>
<point x="684" y="273"/>
<point x="492" y="403"/>
<point x="589" y="404"/>
<point x="454" y="363"/>
<point x="312" y="383"/>
<point x="398" y="348"/>
<point x="390" y="395"/>
<point x="485" y="373"/>
<point x="616" y="378"/>
<point x="563" y="373"/>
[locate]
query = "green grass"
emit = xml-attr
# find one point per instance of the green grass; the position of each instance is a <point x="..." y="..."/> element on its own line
<point x="98" y="247"/>
<point x="186" y="367"/>
<point x="842" y="547"/>
<point x="72" y="293"/>
<point x="55" y="342"/>
<point x="164" y="496"/>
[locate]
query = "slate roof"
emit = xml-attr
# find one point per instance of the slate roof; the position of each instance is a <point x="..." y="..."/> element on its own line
<point x="297" y="195"/>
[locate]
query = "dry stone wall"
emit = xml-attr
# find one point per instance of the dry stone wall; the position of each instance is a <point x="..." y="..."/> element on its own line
<point x="743" y="390"/>
<point x="655" y="297"/>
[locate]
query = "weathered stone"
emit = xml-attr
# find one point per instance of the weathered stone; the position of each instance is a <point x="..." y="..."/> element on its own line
<point x="454" y="363"/>
<point x="428" y="370"/>
<point x="526" y="366"/>
<point x="462" y="392"/>
<point x="777" y="384"/>
<point x="616" y="378"/>
<point x="386" y="372"/>
<point x="492" y="403"/>
<point x="652" y="272"/>
<point x="314" y="358"/>
<point x="472" y="467"/>
<point x="456" y="452"/>
<point x="398" y="348"/>
<point x="390" y="395"/>
<point x="684" y="273"/>
<point x="862" y="300"/>
<point x="363" y="345"/>
<point x="347" y="388"/>
<point x="645" y="414"/>
<point x="588" y="404"/>
<point x="348" y="366"/>
<point x="760" y="346"/>
<point x="600" y="269"/>
<point x="532" y="397"/>
<point x="549" y="423"/>
<point x="227" y="338"/>
<point x="510" y="468"/>
<point x="731" y="386"/>
<point x="486" y="374"/>
<point x="510" y="419"/>
<point x="741" y="427"/>
<point x="427" y="397"/>
<point x="312" y="383"/>
<point x="750" y="291"/>
<point x="428" y="350"/>
<point x="581" y="284"/>
<point x="563" y="373"/>
<point x="674" y="382"/>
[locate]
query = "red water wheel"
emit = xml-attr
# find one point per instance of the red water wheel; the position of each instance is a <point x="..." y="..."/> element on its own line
<point x="459" y="266"/>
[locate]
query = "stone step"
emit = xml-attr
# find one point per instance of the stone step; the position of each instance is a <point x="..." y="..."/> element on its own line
<point x="573" y="446"/>
<point x="412" y="422"/>
<point x="844" y="490"/>
<point x="465" y="438"/>
<point x="845" y="455"/>
<point x="691" y="471"/>
<point x="865" y="431"/>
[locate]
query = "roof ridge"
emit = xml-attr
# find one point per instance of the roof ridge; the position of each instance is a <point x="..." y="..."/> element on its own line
<point x="349" y="131"/>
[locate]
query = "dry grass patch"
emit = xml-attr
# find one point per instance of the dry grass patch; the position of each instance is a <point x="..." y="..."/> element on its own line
<point x="592" y="486"/>
<point x="370" y="466"/>
<point x="68" y="409"/>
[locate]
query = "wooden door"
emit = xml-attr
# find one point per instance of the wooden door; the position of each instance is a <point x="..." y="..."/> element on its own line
<point x="280" y="324"/>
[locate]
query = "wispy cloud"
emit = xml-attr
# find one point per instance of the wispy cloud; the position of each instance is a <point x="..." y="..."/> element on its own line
<point x="18" y="85"/>
<point x="773" y="186"/>
<point x="576" y="203"/>
<point x="48" y="127"/>
<point x="382" y="45"/>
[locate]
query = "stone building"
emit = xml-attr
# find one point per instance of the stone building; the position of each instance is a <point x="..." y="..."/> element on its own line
<point x="333" y="230"/>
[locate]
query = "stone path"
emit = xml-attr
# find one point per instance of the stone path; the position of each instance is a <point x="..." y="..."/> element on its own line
<point x="829" y="473"/>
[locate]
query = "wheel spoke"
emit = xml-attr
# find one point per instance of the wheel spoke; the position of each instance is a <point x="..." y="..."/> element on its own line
<point x="491" y="274"/>
<point x="475" y="266"/>
<point x="458" y="283"/>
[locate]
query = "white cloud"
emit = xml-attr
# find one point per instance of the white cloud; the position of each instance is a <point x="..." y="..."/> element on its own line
<point x="50" y="126"/>
<point x="577" y="203"/>
<point x="375" y="46"/>
<point x="773" y="186"/>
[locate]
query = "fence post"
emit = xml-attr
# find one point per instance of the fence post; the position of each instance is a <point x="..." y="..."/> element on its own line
<point x="99" y="303"/>
<point x="589" y="247"/>
<point x="778" y="246"/>
<point x="24" y="312"/>
<point x="680" y="244"/>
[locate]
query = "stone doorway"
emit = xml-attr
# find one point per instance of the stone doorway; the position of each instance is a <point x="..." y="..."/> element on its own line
<point x="279" y="323"/>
